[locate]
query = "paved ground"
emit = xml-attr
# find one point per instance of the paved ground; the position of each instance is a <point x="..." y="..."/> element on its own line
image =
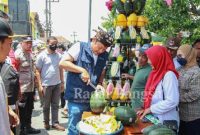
<point x="37" y="121"/>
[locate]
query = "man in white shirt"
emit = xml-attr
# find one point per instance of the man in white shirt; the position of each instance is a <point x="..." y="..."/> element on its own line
<point x="85" y="63"/>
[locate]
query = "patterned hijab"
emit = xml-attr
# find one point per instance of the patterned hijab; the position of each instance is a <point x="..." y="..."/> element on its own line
<point x="190" y="54"/>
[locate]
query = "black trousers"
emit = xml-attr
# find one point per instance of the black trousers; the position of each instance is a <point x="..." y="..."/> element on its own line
<point x="62" y="100"/>
<point x="26" y="109"/>
<point x="189" y="128"/>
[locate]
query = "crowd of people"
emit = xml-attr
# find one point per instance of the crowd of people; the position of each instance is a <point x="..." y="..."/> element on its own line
<point x="166" y="82"/>
<point x="171" y="92"/>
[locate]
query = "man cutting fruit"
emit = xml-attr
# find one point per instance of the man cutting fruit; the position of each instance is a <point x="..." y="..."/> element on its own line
<point x="85" y="63"/>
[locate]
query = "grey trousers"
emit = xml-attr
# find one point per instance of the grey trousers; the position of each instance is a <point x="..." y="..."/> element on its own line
<point x="51" y="98"/>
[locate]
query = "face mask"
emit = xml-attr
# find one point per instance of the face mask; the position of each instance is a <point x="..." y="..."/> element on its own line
<point x="182" y="61"/>
<point x="53" y="47"/>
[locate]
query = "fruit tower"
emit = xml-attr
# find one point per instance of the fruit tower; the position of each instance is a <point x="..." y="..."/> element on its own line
<point x="129" y="33"/>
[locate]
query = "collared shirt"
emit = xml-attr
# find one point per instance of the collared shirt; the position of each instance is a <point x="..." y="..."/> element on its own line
<point x="26" y="71"/>
<point x="189" y="82"/>
<point x="75" y="50"/>
<point x="49" y="66"/>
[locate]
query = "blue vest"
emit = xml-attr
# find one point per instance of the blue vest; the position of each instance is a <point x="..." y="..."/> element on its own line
<point x="76" y="89"/>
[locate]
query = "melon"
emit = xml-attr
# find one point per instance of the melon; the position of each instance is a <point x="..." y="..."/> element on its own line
<point x="158" y="130"/>
<point x="162" y="131"/>
<point x="125" y="114"/>
<point x="97" y="101"/>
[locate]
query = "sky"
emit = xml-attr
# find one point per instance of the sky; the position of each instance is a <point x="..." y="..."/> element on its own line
<point x="70" y="16"/>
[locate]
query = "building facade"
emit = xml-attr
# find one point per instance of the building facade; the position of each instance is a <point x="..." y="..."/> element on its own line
<point x="36" y="27"/>
<point x="19" y="11"/>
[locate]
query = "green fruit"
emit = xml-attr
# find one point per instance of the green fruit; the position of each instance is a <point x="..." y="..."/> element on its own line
<point x="139" y="6"/>
<point x="120" y="6"/>
<point x="125" y="114"/>
<point x="162" y="131"/>
<point x="148" y="129"/>
<point x="143" y="2"/>
<point x="97" y="101"/>
<point x="128" y="7"/>
<point x="125" y="37"/>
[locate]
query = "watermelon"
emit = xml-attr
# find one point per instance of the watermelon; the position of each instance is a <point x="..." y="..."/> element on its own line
<point x="148" y="129"/>
<point x="97" y="101"/>
<point x="162" y="131"/>
<point x="120" y="6"/>
<point x="125" y="114"/>
<point x="128" y="7"/>
<point x="143" y="3"/>
<point x="139" y="6"/>
<point x="158" y="130"/>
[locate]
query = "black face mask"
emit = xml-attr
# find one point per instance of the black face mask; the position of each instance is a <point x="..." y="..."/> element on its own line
<point x="53" y="47"/>
<point x="182" y="61"/>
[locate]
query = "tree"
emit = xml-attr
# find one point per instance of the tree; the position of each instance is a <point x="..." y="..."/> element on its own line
<point x="108" y="21"/>
<point x="182" y="15"/>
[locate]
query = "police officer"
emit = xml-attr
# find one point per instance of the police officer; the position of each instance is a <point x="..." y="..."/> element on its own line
<point x="26" y="79"/>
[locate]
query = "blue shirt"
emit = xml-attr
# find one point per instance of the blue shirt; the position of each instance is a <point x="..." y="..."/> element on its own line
<point x="49" y="67"/>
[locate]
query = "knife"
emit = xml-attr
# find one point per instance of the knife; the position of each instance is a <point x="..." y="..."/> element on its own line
<point x="93" y="86"/>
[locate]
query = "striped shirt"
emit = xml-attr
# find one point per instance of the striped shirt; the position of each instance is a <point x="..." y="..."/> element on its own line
<point x="189" y="82"/>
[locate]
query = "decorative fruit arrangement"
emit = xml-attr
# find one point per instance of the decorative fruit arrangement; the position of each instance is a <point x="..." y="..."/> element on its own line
<point x="117" y="92"/>
<point x="128" y="16"/>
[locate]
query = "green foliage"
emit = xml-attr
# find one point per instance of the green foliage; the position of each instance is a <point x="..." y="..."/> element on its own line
<point x="107" y="22"/>
<point x="169" y="21"/>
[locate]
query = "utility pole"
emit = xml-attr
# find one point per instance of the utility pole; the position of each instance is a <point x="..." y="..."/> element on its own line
<point x="89" y="19"/>
<point x="74" y="36"/>
<point x="50" y="23"/>
<point x="48" y="17"/>
<point x="17" y="10"/>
